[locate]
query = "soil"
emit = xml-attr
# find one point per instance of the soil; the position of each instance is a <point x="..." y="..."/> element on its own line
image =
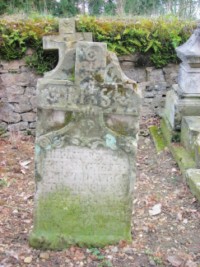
<point x="165" y="223"/>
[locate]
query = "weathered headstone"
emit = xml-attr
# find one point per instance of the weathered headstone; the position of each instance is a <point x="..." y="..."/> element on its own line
<point x="85" y="146"/>
<point x="184" y="98"/>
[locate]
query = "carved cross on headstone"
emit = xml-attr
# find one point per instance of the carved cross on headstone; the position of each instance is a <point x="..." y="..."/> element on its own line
<point x="85" y="148"/>
<point x="67" y="37"/>
<point x="65" y="42"/>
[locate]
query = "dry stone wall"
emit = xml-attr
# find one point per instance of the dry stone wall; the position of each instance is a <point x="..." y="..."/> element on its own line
<point x="154" y="83"/>
<point x="17" y="97"/>
<point x="18" y="91"/>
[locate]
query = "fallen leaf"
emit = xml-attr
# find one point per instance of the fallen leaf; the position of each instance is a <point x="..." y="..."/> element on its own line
<point x="25" y="163"/>
<point x="175" y="261"/>
<point x="155" y="210"/>
<point x="44" y="255"/>
<point x="190" y="263"/>
<point x="79" y="255"/>
<point x="28" y="259"/>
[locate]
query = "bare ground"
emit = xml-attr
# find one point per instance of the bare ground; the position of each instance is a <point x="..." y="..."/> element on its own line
<point x="170" y="238"/>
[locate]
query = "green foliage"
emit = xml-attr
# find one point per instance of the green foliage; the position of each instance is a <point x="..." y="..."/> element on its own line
<point x="100" y="257"/>
<point x="3" y="182"/>
<point x="154" y="40"/>
<point x="42" y="61"/>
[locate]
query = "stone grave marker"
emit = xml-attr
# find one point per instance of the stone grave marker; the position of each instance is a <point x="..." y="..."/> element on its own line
<point x="86" y="144"/>
<point x="184" y="98"/>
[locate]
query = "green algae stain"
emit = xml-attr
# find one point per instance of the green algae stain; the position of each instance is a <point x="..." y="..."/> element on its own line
<point x="63" y="219"/>
<point x="158" y="139"/>
<point x="193" y="180"/>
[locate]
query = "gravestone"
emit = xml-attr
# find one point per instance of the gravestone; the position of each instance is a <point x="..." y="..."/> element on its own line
<point x="184" y="98"/>
<point x="85" y="148"/>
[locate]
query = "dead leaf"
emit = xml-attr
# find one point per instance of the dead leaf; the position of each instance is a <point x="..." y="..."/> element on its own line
<point x="190" y="263"/>
<point x="175" y="260"/>
<point x="25" y="163"/>
<point x="28" y="259"/>
<point x="44" y="255"/>
<point x="79" y="255"/>
<point x="155" y="210"/>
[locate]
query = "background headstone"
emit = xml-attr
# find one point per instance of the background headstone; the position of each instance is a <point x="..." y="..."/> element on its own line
<point x="184" y="98"/>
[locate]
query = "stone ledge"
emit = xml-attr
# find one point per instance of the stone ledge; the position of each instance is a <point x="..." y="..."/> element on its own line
<point x="193" y="180"/>
<point x="158" y="138"/>
<point x="184" y="160"/>
<point x="190" y="129"/>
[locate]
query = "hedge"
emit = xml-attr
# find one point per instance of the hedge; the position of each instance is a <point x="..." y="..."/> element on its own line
<point x="154" y="40"/>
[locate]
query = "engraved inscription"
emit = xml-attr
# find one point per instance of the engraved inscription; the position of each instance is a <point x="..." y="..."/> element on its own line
<point x="88" y="172"/>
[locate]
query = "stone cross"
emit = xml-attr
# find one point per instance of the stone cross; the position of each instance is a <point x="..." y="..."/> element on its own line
<point x="85" y="149"/>
<point x="64" y="42"/>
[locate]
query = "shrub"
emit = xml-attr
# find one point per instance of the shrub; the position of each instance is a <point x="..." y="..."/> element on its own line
<point x="153" y="39"/>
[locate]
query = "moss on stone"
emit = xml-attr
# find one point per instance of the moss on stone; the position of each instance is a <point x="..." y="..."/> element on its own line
<point x="169" y="134"/>
<point x="98" y="77"/>
<point x="120" y="128"/>
<point x="180" y="154"/>
<point x="193" y="180"/>
<point x="182" y="157"/>
<point x="158" y="138"/>
<point x="63" y="219"/>
<point x="121" y="90"/>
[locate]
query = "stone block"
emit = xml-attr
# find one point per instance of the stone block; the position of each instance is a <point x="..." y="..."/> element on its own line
<point x="190" y="129"/>
<point x="20" y="79"/>
<point x="33" y="101"/>
<point x="193" y="180"/>
<point x="29" y="117"/>
<point x="127" y="65"/>
<point x="176" y="108"/>
<point x="17" y="127"/>
<point x="15" y="98"/>
<point x="14" y="90"/>
<point x="129" y="58"/>
<point x="13" y="65"/>
<point x="22" y="107"/>
<point x="7" y="114"/>
<point x="137" y="74"/>
<point x="3" y="127"/>
<point x="30" y="91"/>
<point x="155" y="75"/>
<point x="171" y="68"/>
<point x="32" y="125"/>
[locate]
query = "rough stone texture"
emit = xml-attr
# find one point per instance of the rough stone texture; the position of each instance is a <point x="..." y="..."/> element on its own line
<point x="85" y="147"/>
<point x="182" y="105"/>
<point x="197" y="151"/>
<point x="184" y="100"/>
<point x="16" y="127"/>
<point x="155" y="84"/>
<point x="30" y="116"/>
<point x="190" y="129"/>
<point x="17" y="95"/>
<point x="176" y="108"/>
<point x="189" y="72"/>
<point x="193" y="180"/>
<point x="18" y="84"/>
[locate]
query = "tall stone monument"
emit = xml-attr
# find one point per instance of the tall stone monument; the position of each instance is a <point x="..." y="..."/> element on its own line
<point x="184" y="98"/>
<point x="85" y="145"/>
